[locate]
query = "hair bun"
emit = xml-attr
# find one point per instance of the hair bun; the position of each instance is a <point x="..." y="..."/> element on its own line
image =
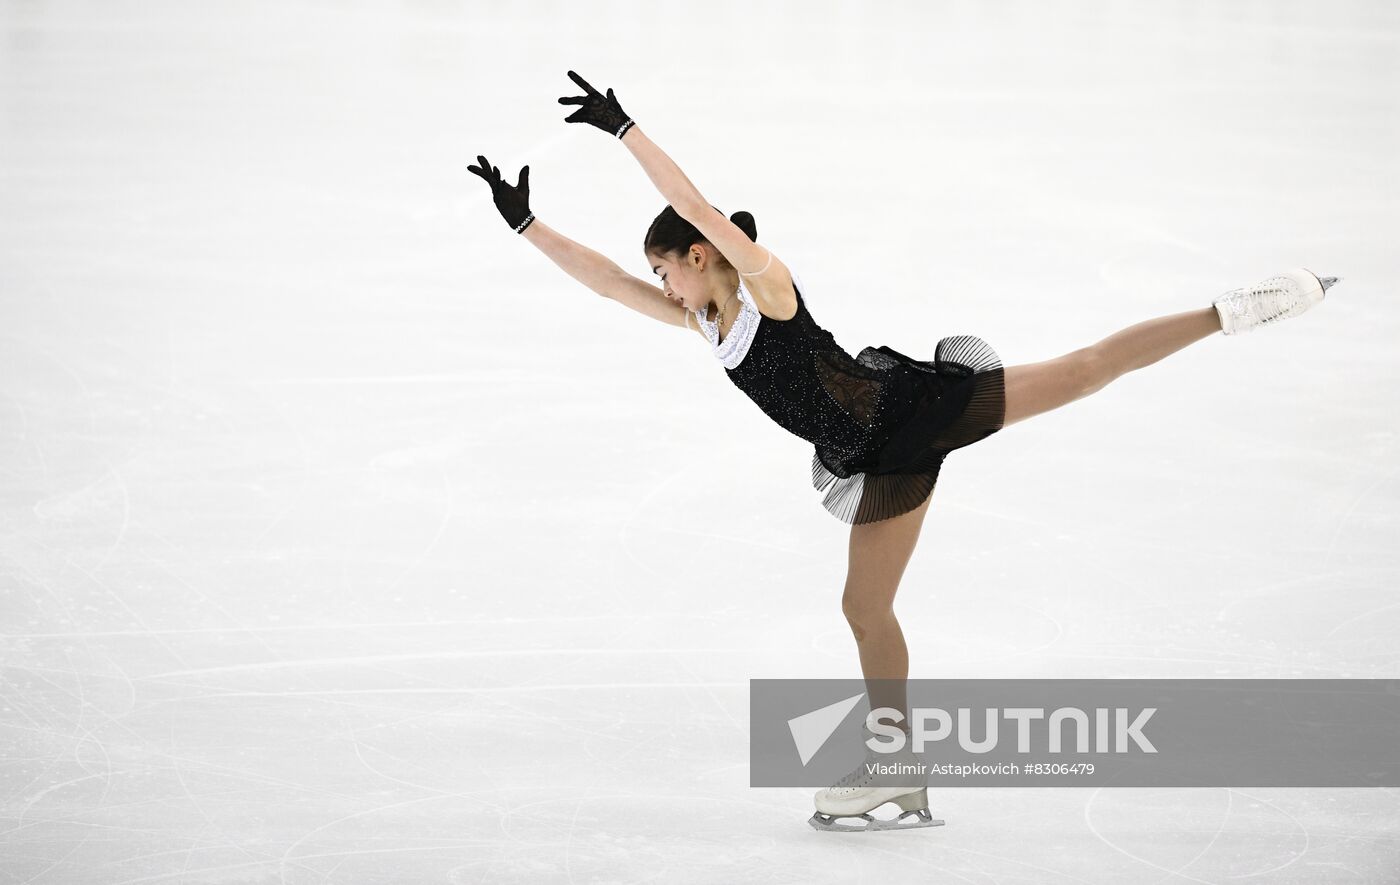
<point x="744" y="221"/>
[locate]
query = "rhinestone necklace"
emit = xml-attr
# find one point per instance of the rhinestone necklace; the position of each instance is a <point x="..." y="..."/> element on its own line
<point x="719" y="323"/>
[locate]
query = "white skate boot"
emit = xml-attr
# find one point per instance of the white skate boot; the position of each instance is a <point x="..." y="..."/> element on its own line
<point x="855" y="795"/>
<point x="1274" y="299"/>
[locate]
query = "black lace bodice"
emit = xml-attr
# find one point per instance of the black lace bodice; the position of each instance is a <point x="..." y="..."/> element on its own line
<point x="801" y="378"/>
<point x="881" y="422"/>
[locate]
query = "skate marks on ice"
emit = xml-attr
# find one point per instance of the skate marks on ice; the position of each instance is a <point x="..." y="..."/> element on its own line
<point x="1279" y="838"/>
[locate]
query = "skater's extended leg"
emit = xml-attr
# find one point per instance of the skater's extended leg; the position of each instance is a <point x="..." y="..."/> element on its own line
<point x="879" y="552"/>
<point x="1035" y="388"/>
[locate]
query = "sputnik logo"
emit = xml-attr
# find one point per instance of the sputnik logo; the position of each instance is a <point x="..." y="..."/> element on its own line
<point x="810" y="731"/>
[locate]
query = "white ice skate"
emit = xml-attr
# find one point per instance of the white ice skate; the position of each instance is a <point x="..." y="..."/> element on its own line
<point x="1277" y="298"/>
<point x="856" y="796"/>
<point x="863" y="801"/>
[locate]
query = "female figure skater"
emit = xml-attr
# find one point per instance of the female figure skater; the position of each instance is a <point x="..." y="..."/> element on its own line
<point x="881" y="422"/>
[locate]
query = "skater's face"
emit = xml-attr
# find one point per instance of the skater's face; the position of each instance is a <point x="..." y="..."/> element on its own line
<point x="683" y="277"/>
<point x="674" y="280"/>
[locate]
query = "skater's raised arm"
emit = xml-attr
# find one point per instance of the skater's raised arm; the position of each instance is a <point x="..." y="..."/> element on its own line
<point x="689" y="204"/>
<point x="673" y="184"/>
<point x="590" y="268"/>
<point x="605" y="113"/>
<point x="604" y="276"/>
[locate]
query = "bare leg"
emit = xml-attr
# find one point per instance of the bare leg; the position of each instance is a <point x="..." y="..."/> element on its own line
<point x="1035" y="388"/>
<point x="879" y="552"/>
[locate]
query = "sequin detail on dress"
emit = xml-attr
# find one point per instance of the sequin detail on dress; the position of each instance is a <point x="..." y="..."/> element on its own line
<point x="881" y="422"/>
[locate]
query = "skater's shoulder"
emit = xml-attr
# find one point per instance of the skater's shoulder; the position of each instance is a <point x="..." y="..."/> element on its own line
<point x="773" y="290"/>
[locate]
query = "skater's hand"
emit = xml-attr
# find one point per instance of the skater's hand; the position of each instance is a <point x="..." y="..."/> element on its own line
<point x="513" y="202"/>
<point x="598" y="110"/>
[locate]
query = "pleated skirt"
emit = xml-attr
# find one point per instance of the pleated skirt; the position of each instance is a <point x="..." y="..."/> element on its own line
<point x="958" y="398"/>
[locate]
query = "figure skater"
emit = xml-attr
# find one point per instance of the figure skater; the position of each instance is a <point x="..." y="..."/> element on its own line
<point x="881" y="422"/>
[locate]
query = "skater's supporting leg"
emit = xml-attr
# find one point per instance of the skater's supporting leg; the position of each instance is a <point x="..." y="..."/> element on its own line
<point x="1035" y="388"/>
<point x="879" y="552"/>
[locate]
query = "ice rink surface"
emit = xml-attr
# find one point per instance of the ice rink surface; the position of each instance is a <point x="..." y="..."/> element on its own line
<point x="348" y="540"/>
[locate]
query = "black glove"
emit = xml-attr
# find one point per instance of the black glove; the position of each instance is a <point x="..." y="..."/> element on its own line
<point x="598" y="110"/>
<point x="513" y="202"/>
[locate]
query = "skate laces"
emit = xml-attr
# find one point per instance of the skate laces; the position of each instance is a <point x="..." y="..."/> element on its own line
<point x="1269" y="301"/>
<point x="855" y="780"/>
<point x="1276" y="298"/>
<point x="860" y="778"/>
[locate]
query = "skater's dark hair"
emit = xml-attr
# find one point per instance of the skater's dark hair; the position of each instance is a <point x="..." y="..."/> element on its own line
<point x="670" y="234"/>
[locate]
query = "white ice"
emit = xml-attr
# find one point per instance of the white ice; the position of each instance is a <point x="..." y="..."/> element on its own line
<point x="345" y="539"/>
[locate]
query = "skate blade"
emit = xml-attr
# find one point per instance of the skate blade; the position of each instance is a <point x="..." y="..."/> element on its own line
<point x="828" y="823"/>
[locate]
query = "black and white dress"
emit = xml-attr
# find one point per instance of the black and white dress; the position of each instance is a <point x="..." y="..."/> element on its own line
<point x="881" y="422"/>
